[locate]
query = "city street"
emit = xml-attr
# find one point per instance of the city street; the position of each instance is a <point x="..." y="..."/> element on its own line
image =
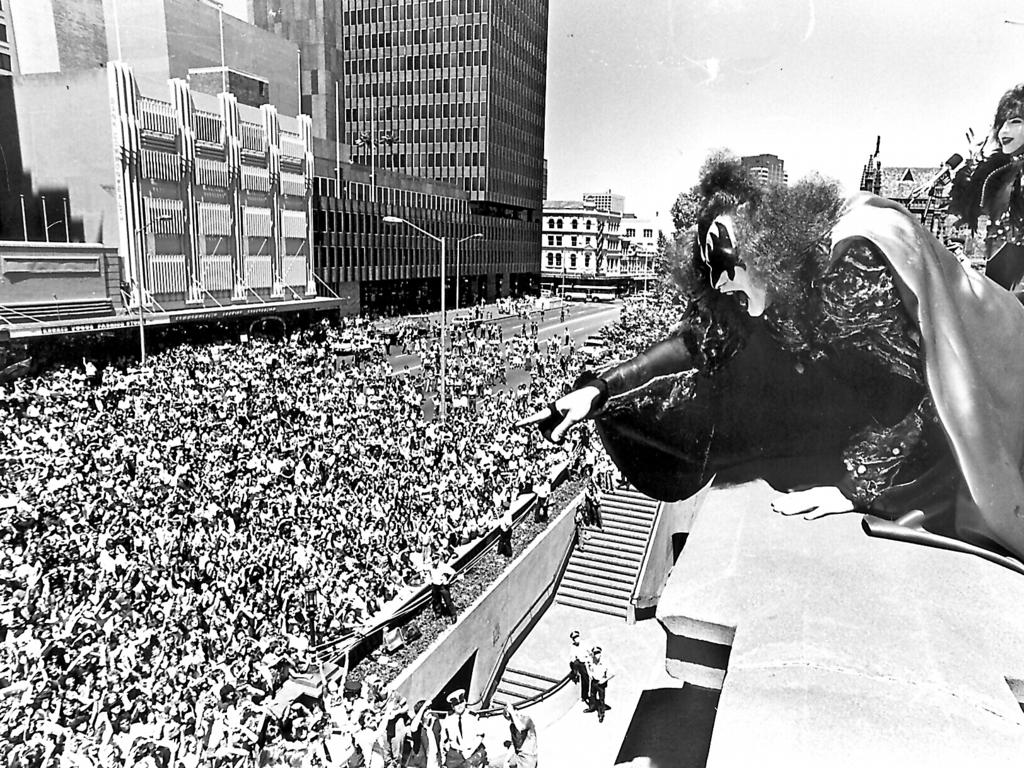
<point x="582" y="321"/>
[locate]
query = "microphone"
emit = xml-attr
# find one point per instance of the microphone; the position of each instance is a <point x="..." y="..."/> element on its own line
<point x="952" y="164"/>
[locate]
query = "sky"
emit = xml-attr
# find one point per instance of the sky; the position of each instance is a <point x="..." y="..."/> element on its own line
<point x="640" y="91"/>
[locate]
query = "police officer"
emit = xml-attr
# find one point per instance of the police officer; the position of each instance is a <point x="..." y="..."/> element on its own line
<point x="578" y="665"/>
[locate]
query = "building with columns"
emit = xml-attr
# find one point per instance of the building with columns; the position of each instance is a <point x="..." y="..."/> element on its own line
<point x="583" y="249"/>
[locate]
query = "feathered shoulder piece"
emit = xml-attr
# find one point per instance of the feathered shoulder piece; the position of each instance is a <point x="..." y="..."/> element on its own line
<point x="785" y="238"/>
<point x="975" y="184"/>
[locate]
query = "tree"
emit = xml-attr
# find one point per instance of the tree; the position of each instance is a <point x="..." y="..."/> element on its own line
<point x="661" y="263"/>
<point x="686" y="209"/>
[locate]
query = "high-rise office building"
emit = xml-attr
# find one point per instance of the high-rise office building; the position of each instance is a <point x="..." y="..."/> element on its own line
<point x="449" y="91"/>
<point x="606" y="201"/>
<point x="769" y="169"/>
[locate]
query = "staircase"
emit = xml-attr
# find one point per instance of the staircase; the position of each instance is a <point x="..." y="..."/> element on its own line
<point x="517" y="685"/>
<point x="602" y="573"/>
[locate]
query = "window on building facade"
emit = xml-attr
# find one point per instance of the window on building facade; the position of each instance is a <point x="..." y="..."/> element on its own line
<point x="574" y="240"/>
<point x="648" y="233"/>
<point x="575" y="224"/>
<point x="551" y="223"/>
<point x="572" y="261"/>
<point x="589" y="223"/>
<point x="558" y="259"/>
<point x="586" y="261"/>
<point x="588" y="241"/>
<point x="558" y="240"/>
<point x="551" y="260"/>
<point x="551" y="239"/>
<point x="630" y="232"/>
<point x="559" y="226"/>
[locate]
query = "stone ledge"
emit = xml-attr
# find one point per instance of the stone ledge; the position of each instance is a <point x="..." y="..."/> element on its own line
<point x="847" y="649"/>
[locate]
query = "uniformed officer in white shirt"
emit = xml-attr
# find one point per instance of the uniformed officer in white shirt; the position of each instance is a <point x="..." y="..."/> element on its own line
<point x="578" y="659"/>
<point x="599" y="677"/>
<point x="462" y="737"/>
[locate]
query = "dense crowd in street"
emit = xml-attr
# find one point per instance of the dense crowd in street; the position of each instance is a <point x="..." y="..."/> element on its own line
<point x="176" y="539"/>
<point x="644" y="321"/>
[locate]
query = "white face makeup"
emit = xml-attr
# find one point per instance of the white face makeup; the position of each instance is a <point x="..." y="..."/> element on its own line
<point x="1011" y="135"/>
<point x="754" y="292"/>
<point x="719" y="253"/>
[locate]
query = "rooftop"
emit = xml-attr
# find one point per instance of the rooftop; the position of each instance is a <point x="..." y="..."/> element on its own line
<point x="898" y="181"/>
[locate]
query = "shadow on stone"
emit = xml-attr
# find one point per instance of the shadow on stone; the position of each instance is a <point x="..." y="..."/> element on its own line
<point x="671" y="727"/>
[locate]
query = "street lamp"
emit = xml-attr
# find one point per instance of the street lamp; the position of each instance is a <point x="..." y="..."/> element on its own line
<point x="142" y="287"/>
<point x="50" y="225"/>
<point x="440" y="240"/>
<point x="476" y="236"/>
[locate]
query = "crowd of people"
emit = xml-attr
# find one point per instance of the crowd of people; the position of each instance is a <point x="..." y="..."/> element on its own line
<point x="177" y="539"/>
<point x="643" y="322"/>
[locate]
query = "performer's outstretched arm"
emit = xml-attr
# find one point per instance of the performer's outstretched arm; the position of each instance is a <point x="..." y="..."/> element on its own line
<point x="666" y="357"/>
<point x="591" y="391"/>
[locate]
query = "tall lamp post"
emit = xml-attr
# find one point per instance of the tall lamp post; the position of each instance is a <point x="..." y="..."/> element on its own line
<point x="440" y="240"/>
<point x="140" y="279"/>
<point x="475" y="236"/>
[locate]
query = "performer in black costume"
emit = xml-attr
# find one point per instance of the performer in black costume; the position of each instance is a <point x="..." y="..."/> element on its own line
<point x="990" y="184"/>
<point x="841" y="331"/>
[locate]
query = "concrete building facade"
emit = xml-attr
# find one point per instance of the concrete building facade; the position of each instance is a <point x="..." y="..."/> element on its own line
<point x="160" y="39"/>
<point x="66" y="190"/>
<point x="7" y="51"/>
<point x="206" y="199"/>
<point x="769" y="169"/>
<point x="606" y="201"/>
<point x="639" y="238"/>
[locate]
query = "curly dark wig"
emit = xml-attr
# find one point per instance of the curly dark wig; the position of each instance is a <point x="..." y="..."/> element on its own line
<point x="782" y="232"/>
<point x="785" y="239"/>
<point x="725" y="184"/>
<point x="1010" y="105"/>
